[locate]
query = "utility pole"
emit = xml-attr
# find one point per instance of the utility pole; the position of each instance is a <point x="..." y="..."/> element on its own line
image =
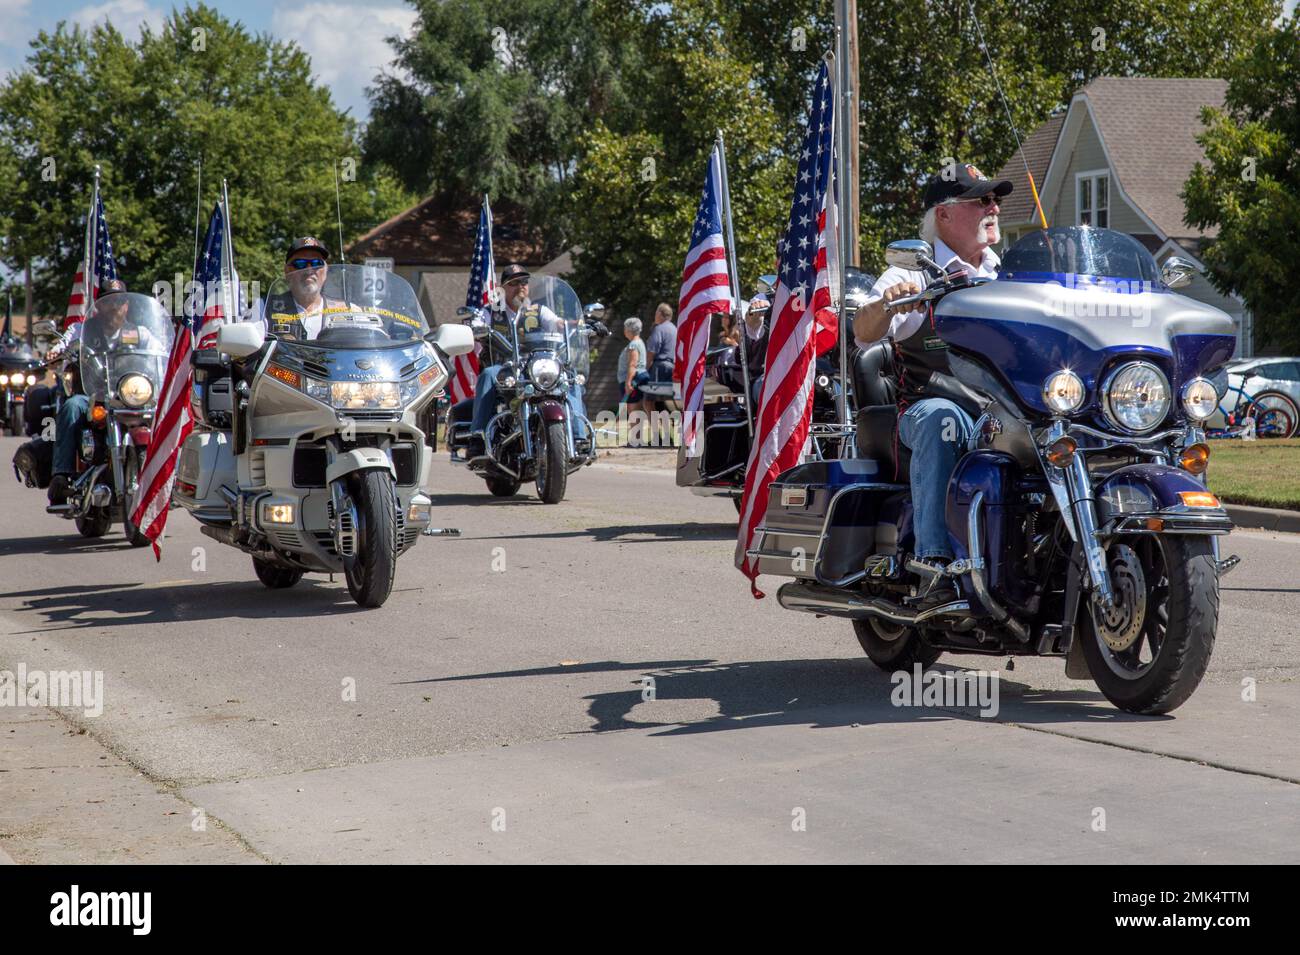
<point x="846" y="58"/>
<point x="27" y="304"/>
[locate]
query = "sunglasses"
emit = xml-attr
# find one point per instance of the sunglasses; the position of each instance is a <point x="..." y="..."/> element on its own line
<point x="515" y="283"/>
<point x="307" y="263"/>
<point x="984" y="201"/>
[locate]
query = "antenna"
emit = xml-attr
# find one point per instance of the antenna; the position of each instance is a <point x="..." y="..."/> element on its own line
<point x="1033" y="187"/>
<point x="338" y="209"/>
<point x="198" y="213"/>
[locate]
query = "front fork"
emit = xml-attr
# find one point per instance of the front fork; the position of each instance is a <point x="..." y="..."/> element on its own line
<point x="1072" y="488"/>
<point x="117" y="456"/>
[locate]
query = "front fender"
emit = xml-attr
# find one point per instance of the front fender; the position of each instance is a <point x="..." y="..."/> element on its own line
<point x="359" y="459"/>
<point x="1130" y="497"/>
<point x="551" y="410"/>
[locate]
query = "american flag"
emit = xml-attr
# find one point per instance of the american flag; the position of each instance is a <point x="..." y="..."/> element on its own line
<point x="481" y="293"/>
<point x="803" y="323"/>
<point x="706" y="289"/>
<point x="216" y="283"/>
<point x="98" y="249"/>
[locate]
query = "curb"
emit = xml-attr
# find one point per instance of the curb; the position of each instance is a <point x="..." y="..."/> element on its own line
<point x="1264" y="518"/>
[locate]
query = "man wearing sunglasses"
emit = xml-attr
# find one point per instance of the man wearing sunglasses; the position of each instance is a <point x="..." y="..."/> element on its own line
<point x="300" y="314"/>
<point x="935" y="408"/>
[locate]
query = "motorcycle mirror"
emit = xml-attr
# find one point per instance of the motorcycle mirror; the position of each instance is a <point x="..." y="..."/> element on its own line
<point x="913" y="255"/>
<point x="1177" y="272"/>
<point x="594" y="310"/>
<point x="767" y="284"/>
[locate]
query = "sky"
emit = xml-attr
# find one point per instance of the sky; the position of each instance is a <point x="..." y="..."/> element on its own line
<point x="346" y="40"/>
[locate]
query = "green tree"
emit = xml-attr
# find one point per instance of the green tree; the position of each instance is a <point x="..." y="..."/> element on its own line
<point x="146" y="111"/>
<point x="1249" y="187"/>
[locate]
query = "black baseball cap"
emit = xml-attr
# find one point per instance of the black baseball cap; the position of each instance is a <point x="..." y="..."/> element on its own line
<point x="962" y="181"/>
<point x="305" y="243"/>
<point x="512" y="272"/>
<point x="109" y="286"/>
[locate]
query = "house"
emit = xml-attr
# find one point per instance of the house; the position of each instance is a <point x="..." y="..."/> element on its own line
<point x="1118" y="158"/>
<point x="431" y="245"/>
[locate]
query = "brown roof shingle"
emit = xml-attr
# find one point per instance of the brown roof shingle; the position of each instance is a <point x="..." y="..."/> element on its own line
<point x="1038" y="146"/>
<point x="440" y="231"/>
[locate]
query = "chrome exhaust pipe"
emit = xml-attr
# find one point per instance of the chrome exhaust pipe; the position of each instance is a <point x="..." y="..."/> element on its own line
<point x="829" y="602"/>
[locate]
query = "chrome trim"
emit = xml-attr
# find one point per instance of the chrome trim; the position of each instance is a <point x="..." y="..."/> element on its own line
<point x="1110" y="380"/>
<point x="1056" y="478"/>
<point x="819" y="599"/>
<point x="1085" y="514"/>
<point x="1083" y="391"/>
<point x="1182" y="398"/>
<point x="1127" y="438"/>
<point x="975" y="552"/>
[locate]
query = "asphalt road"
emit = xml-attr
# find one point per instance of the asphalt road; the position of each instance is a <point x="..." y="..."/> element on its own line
<point x="498" y="711"/>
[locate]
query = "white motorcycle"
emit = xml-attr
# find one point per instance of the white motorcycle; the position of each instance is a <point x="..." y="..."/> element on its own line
<point x="320" y="464"/>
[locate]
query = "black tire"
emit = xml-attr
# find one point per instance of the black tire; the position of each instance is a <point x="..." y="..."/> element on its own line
<point x="1275" y="414"/>
<point x="275" y="576"/>
<point x="902" y="651"/>
<point x="95" y="523"/>
<point x="370" y="571"/>
<point x="130" y="475"/>
<point x="502" y="486"/>
<point x="552" y="473"/>
<point x="1187" y="587"/>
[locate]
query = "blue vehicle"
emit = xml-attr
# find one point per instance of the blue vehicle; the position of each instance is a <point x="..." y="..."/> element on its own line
<point x="1078" y="513"/>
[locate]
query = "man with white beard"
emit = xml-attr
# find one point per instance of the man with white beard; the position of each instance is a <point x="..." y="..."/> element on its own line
<point x="935" y="409"/>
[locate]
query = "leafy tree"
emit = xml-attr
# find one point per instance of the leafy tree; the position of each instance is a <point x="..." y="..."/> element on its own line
<point x="146" y="111"/>
<point x="1249" y="187"/>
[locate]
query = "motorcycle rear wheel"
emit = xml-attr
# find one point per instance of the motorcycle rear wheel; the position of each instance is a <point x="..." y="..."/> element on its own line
<point x="1154" y="662"/>
<point x="502" y="486"/>
<point x="275" y="576"/>
<point x="370" y="571"/>
<point x="552" y="475"/>
<point x="893" y="647"/>
<point x="95" y="522"/>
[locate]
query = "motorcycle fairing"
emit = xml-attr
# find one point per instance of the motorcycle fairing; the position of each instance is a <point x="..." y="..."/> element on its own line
<point x="1144" y="490"/>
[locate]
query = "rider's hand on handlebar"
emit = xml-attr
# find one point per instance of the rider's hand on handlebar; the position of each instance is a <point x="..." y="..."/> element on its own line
<point x="901" y="290"/>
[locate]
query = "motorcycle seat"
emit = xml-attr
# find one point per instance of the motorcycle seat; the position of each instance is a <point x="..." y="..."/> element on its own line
<point x="877" y="438"/>
<point x="873" y="369"/>
<point x="462" y="412"/>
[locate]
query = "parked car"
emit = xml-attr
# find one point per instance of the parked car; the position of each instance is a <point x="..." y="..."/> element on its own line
<point x="1272" y="382"/>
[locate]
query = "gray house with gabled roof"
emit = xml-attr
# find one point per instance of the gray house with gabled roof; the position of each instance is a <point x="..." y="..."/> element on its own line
<point x="1118" y="158"/>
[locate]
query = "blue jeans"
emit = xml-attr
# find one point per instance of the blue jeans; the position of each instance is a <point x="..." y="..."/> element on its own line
<point x="486" y="397"/>
<point x="937" y="431"/>
<point x="67" y="433"/>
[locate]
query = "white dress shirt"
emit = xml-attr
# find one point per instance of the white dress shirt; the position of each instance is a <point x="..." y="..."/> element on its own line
<point x="905" y="324"/>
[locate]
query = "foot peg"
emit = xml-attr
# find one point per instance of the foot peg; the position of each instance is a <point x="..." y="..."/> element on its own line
<point x="440" y="532"/>
<point x="1228" y="565"/>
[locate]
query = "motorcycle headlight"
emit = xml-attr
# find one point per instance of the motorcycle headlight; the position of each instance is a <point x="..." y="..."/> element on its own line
<point x="135" y="390"/>
<point x="1200" y="398"/>
<point x="4" y="380"/>
<point x="1135" y="397"/>
<point x="1063" y="392"/>
<point x="31" y="379"/>
<point x="544" y="372"/>
<point x="361" y="395"/>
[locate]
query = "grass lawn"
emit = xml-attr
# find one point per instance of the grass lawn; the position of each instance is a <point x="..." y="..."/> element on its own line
<point x="1262" y="473"/>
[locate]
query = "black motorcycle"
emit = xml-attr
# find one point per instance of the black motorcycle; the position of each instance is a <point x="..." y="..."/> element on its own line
<point x="20" y="369"/>
<point x="535" y="433"/>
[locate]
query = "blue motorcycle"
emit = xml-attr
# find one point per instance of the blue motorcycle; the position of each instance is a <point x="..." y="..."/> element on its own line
<point x="1078" y="512"/>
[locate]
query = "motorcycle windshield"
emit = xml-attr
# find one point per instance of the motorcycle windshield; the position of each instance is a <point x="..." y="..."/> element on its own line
<point x="344" y="306"/>
<point x="1081" y="256"/>
<point x="125" y="334"/>
<point x="565" y="333"/>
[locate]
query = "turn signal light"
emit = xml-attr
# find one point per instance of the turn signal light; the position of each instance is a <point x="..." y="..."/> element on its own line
<point x="1198" y="499"/>
<point x="1195" y="458"/>
<point x="1061" y="451"/>
<point x="98" y="414"/>
<point x="287" y="375"/>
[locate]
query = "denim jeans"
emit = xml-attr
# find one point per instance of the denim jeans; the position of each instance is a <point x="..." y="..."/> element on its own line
<point x="67" y="433"/>
<point x="486" y="398"/>
<point x="937" y="431"/>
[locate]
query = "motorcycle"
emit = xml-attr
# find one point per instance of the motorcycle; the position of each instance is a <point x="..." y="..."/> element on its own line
<point x="1078" y="513"/>
<point x="318" y="463"/>
<point x="715" y="467"/>
<point x="20" y="369"/>
<point x="125" y="343"/>
<point x="535" y="433"/>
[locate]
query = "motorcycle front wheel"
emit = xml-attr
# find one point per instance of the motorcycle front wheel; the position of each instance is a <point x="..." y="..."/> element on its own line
<point x="1149" y="652"/>
<point x="553" y="457"/>
<point x="369" y="572"/>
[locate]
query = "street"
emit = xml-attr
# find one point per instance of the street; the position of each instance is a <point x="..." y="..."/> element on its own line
<point x="496" y="709"/>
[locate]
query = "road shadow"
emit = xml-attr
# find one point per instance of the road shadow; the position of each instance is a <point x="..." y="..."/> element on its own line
<point x="816" y="693"/>
<point x="633" y="533"/>
<point x="67" y="543"/>
<point x="82" y="607"/>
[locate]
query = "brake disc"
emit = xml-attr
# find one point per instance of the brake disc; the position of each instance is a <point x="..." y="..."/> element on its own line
<point x="1120" y="626"/>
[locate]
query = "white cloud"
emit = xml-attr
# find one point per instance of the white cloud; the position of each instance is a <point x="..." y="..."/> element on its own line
<point x="128" y="16"/>
<point x="347" y="44"/>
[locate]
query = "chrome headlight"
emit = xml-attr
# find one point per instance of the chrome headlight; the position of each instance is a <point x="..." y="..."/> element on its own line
<point x="544" y="372"/>
<point x="4" y="380"/>
<point x="365" y="395"/>
<point x="1063" y="392"/>
<point x="1200" y="398"/>
<point x="136" y="391"/>
<point x="1135" y="397"/>
<point x="31" y="379"/>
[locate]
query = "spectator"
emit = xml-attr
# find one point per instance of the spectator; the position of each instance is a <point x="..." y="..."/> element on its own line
<point x="730" y="331"/>
<point x="631" y="362"/>
<point x="660" y="348"/>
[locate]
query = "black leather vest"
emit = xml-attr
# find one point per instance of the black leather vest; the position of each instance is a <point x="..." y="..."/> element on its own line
<point x="921" y="370"/>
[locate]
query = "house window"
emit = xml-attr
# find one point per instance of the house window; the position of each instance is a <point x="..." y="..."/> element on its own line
<point x="1094" y="199"/>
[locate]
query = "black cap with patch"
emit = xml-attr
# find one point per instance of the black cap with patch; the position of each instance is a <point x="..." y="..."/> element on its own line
<point x="305" y="243"/>
<point x="512" y="272"/>
<point x="109" y="286"/>
<point x="962" y="181"/>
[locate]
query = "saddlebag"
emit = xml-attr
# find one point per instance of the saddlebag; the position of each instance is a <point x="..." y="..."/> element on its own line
<point x="724" y="450"/>
<point x="206" y="463"/>
<point x="33" y="463"/>
<point x="821" y="521"/>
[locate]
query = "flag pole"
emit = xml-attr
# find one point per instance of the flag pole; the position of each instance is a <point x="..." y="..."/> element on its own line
<point x="198" y="215"/>
<point x="733" y="279"/>
<point x="839" y="188"/>
<point x="88" y="252"/>
<point x="229" y="293"/>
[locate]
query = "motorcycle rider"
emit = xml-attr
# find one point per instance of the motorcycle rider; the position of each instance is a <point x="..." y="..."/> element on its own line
<point x="300" y="313"/>
<point x="935" y="409"/>
<point x="514" y="287"/>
